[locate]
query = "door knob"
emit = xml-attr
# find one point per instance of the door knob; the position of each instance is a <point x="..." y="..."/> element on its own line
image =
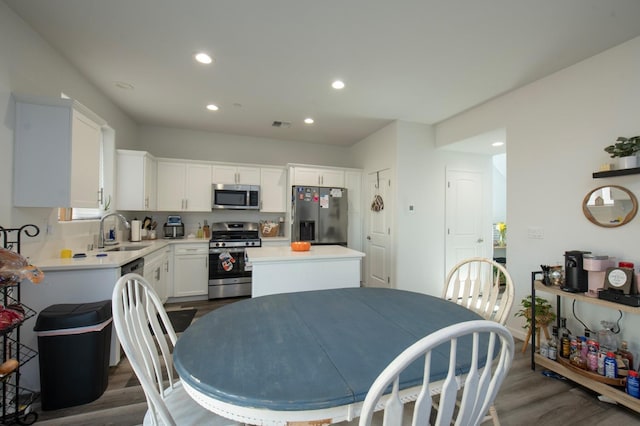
<point x="480" y="240"/>
<point x="368" y="238"/>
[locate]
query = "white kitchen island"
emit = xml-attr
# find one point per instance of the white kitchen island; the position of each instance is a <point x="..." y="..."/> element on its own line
<point x="282" y="270"/>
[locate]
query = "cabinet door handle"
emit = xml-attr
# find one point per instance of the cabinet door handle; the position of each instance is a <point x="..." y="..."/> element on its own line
<point x="101" y="196"/>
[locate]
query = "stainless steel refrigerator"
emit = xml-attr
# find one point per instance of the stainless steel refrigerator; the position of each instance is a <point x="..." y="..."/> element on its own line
<point x="319" y="215"/>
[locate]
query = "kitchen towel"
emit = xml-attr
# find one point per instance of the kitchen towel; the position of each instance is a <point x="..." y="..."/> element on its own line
<point x="136" y="226"/>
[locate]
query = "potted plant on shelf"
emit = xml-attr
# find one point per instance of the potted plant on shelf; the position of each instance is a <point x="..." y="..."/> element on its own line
<point x="625" y="150"/>
<point x="544" y="316"/>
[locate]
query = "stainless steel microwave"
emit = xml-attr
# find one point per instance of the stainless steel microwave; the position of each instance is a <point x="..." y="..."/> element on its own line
<point x="238" y="197"/>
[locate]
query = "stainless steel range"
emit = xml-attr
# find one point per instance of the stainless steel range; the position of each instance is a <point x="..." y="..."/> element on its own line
<point x="229" y="271"/>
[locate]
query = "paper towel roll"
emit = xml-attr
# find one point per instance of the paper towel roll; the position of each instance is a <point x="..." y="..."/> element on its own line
<point x="136" y="226"/>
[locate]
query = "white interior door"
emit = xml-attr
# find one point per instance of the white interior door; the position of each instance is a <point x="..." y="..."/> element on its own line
<point x="465" y="217"/>
<point x="378" y="228"/>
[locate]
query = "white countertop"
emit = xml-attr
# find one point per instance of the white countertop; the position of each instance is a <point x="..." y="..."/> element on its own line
<point x="284" y="253"/>
<point x="113" y="259"/>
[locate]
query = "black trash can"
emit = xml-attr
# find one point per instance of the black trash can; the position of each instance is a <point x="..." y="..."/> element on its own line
<point x="73" y="344"/>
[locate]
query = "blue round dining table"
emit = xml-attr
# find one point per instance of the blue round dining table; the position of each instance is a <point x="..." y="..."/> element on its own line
<point x="309" y="356"/>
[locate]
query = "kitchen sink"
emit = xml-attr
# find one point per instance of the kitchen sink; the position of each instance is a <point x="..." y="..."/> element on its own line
<point x="127" y="248"/>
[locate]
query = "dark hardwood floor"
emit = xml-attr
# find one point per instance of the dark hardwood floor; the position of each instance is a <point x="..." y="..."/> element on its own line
<point x="526" y="398"/>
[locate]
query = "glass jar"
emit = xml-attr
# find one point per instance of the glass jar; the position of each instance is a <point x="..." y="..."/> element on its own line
<point x="606" y="337"/>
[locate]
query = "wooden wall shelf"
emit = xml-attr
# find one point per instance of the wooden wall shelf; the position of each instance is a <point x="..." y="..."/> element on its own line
<point x="614" y="173"/>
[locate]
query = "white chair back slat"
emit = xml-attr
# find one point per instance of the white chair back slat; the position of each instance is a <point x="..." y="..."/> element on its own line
<point x="449" y="391"/>
<point x="481" y="385"/>
<point x="394" y="407"/>
<point x="471" y="382"/>
<point x="424" y="403"/>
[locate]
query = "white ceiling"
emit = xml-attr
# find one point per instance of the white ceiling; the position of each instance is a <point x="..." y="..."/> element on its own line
<point x="420" y="60"/>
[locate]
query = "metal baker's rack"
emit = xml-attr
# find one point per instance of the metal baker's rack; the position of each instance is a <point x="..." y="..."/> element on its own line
<point x="15" y="401"/>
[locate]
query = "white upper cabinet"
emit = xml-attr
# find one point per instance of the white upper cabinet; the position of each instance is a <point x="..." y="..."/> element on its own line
<point x="317" y="176"/>
<point x="136" y="181"/>
<point x="184" y="186"/>
<point x="235" y="174"/>
<point x="57" y="153"/>
<point x="273" y="189"/>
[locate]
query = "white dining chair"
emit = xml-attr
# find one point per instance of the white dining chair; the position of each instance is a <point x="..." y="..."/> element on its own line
<point x="147" y="338"/>
<point x="479" y="385"/>
<point x="484" y="286"/>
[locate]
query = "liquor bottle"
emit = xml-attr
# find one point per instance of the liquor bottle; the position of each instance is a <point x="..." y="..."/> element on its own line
<point x="592" y="355"/>
<point x="627" y="357"/>
<point x="553" y="344"/>
<point x="206" y="230"/>
<point x="565" y="339"/>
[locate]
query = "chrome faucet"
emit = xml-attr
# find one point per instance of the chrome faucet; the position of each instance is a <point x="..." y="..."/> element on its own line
<point x="101" y="241"/>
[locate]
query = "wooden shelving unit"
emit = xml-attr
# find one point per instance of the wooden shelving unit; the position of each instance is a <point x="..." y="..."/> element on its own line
<point x="614" y="173"/>
<point x="616" y="394"/>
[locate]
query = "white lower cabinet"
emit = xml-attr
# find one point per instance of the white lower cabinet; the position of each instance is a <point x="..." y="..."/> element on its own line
<point x="156" y="272"/>
<point x="190" y="269"/>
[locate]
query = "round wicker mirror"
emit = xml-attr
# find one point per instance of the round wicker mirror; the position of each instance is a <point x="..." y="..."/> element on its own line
<point x="610" y="206"/>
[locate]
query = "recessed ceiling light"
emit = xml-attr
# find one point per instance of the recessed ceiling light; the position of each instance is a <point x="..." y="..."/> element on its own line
<point x="212" y="107"/>
<point x="308" y="120"/>
<point x="338" y="84"/>
<point x="203" y="58"/>
<point x="497" y="143"/>
<point x="123" y="85"/>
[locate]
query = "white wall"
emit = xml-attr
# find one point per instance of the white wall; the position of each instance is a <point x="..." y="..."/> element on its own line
<point x="415" y="254"/>
<point x="499" y="186"/>
<point x="557" y="129"/>
<point x="196" y="145"/>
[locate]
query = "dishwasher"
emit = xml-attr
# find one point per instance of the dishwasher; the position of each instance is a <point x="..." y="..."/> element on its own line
<point x="135" y="266"/>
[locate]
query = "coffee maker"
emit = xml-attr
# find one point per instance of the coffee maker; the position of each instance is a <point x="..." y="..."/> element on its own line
<point x="576" y="279"/>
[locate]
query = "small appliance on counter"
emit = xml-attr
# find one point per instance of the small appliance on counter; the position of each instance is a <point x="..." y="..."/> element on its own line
<point x="576" y="278"/>
<point x="174" y="228"/>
